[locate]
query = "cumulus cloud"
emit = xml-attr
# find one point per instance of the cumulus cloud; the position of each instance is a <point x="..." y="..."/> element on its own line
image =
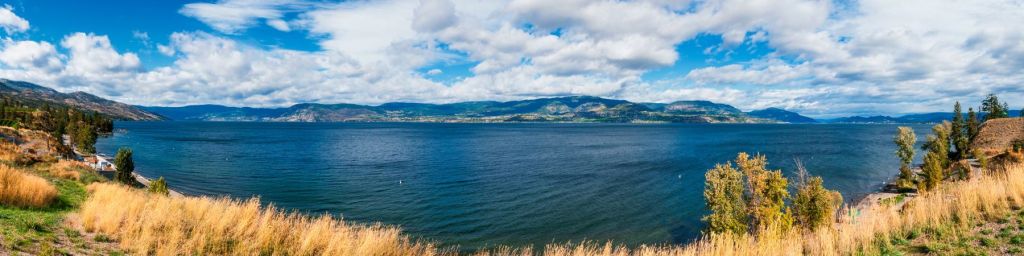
<point x="94" y="55"/>
<point x="365" y="30"/>
<point x="30" y="55"/>
<point x="825" y="58"/>
<point x="11" y="22"/>
<point x="434" y="15"/>
<point x="233" y="16"/>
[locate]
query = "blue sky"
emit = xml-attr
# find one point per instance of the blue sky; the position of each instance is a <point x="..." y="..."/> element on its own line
<point x="820" y="58"/>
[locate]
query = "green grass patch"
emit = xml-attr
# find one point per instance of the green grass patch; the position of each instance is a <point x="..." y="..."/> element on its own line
<point x="23" y="229"/>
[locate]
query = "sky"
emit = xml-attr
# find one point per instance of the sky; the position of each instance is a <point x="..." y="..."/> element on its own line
<point x="819" y="58"/>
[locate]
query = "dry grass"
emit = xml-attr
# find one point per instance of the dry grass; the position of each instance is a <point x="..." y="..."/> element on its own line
<point x="149" y="224"/>
<point x="20" y="189"/>
<point x="998" y="134"/>
<point x="69" y="169"/>
<point x="9" y="152"/>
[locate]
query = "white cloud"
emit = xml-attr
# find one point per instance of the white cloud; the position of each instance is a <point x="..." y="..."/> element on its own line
<point x="165" y="50"/>
<point x="869" y="56"/>
<point x="30" y="55"/>
<point x="279" y="25"/>
<point x="11" y="22"/>
<point x="233" y="16"/>
<point x="93" y="55"/>
<point x="434" y="15"/>
<point x="364" y="30"/>
<point x="142" y="36"/>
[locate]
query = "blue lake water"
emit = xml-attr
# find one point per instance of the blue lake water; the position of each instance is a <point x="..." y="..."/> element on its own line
<point x="481" y="185"/>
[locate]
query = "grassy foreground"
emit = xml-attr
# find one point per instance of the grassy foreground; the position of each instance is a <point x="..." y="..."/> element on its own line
<point x="947" y="221"/>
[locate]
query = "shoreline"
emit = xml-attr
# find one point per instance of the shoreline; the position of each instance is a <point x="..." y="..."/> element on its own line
<point x="107" y="169"/>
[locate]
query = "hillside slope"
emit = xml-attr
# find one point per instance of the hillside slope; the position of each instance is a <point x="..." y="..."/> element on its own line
<point x="32" y="93"/>
<point x="782" y="115"/>
<point x="999" y="134"/>
<point x="558" y="109"/>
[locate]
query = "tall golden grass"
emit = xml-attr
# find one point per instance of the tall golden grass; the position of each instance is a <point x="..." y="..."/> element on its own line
<point x="150" y="224"/>
<point x="9" y="151"/>
<point x="20" y="189"/>
<point x="68" y="169"/>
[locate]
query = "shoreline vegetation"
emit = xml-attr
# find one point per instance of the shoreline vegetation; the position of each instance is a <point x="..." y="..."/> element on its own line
<point x="943" y="207"/>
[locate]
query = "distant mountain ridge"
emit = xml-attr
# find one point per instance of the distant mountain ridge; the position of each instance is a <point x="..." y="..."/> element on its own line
<point x="558" y="109"/>
<point x="782" y="115"/>
<point x="30" y="92"/>
<point x="922" y="118"/>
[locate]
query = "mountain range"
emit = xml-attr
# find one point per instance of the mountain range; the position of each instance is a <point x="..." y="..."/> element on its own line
<point x="923" y="118"/>
<point x="558" y="109"/>
<point x="29" y="93"/>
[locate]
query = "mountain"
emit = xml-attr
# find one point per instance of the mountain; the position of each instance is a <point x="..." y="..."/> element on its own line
<point x="781" y="115"/>
<point x="35" y="94"/>
<point x="558" y="109"/>
<point x="922" y="118"/>
<point x="866" y="120"/>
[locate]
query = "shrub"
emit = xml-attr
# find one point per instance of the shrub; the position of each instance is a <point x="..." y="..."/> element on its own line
<point x="20" y="189"/>
<point x="723" y="195"/>
<point x="982" y="159"/>
<point x="767" y="191"/>
<point x="159" y="186"/>
<point x="125" y="166"/>
<point x="937" y="158"/>
<point x="814" y="206"/>
<point x="905" y="140"/>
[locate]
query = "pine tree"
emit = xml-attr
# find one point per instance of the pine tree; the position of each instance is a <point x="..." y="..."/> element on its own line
<point x="994" y="109"/>
<point x="723" y="195"/>
<point x="957" y="136"/>
<point x="125" y="166"/>
<point x="973" y="126"/>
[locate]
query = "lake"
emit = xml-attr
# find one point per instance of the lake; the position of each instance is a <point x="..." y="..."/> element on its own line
<point x="481" y="185"/>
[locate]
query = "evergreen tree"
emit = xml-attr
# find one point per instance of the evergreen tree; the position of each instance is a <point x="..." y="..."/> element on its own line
<point x="957" y="133"/>
<point x="994" y="108"/>
<point x="723" y="195"/>
<point x="973" y="126"/>
<point x="85" y="138"/>
<point x="125" y="166"/>
<point x="905" y="140"/>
